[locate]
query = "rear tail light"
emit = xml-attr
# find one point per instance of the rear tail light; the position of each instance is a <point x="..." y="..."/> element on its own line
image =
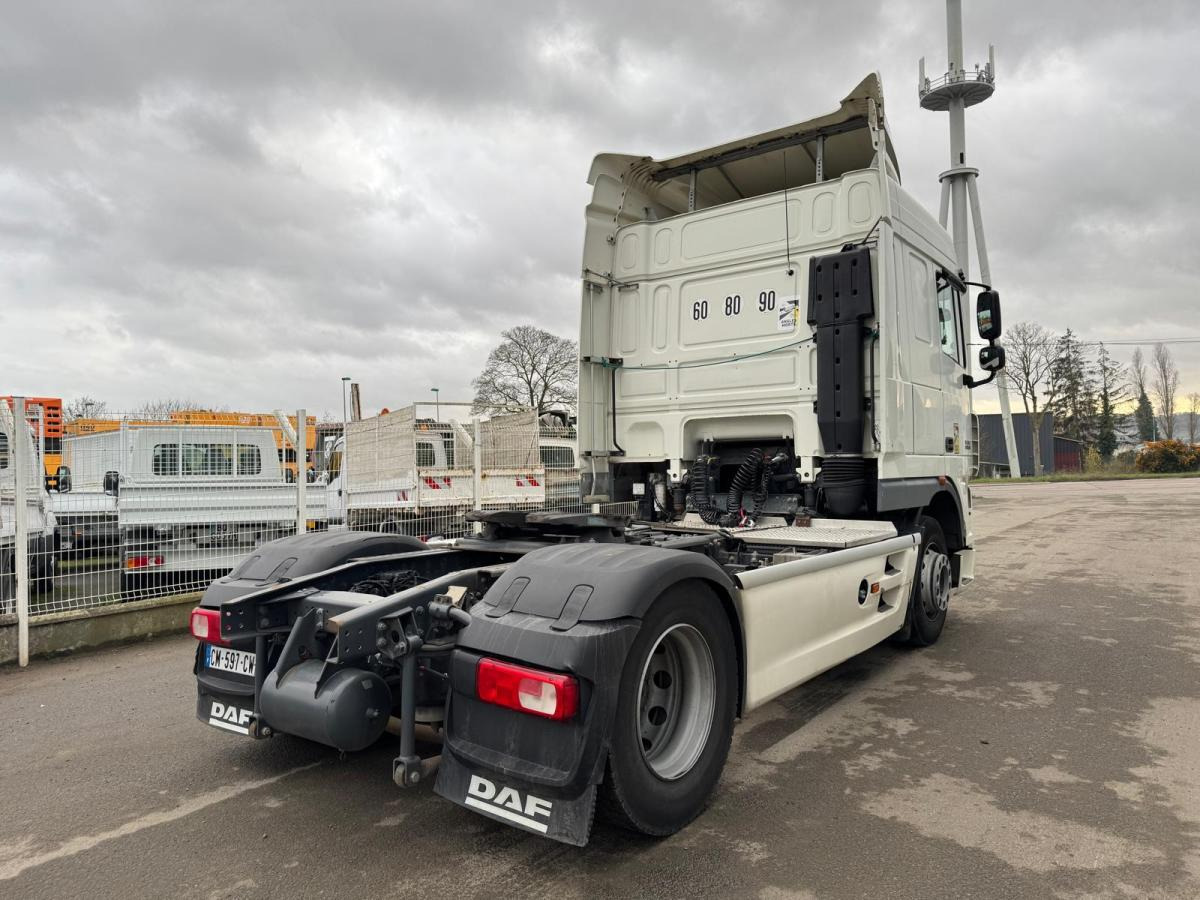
<point x="547" y="694"/>
<point x="205" y="626"/>
<point x="143" y="562"/>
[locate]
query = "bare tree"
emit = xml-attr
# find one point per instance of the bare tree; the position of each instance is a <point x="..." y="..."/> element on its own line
<point x="1138" y="377"/>
<point x="531" y="367"/>
<point x="1193" y="418"/>
<point x="162" y="409"/>
<point x="1166" y="383"/>
<point x="84" y="407"/>
<point x="1031" y="353"/>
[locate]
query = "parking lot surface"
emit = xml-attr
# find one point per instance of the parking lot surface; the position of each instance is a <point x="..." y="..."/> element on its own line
<point x="1047" y="746"/>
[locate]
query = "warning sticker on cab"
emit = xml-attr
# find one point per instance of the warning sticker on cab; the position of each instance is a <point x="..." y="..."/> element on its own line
<point x="789" y="311"/>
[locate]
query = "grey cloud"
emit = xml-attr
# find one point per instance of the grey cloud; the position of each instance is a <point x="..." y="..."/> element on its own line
<point x="245" y="202"/>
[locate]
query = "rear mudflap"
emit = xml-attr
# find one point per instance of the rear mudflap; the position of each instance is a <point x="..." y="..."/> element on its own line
<point x="562" y="816"/>
<point x="224" y="700"/>
<point x="530" y="772"/>
<point x="229" y="712"/>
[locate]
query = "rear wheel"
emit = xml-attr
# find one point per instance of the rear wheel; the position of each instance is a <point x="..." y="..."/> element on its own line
<point x="930" y="600"/>
<point x="674" y="719"/>
<point x="44" y="582"/>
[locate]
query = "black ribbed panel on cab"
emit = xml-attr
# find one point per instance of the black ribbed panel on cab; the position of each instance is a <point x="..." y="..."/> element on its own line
<point x="840" y="297"/>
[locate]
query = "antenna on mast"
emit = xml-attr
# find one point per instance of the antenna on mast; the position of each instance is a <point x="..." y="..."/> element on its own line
<point x="953" y="93"/>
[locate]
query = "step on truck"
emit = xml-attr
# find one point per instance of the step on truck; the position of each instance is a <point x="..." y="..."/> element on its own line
<point x="773" y="368"/>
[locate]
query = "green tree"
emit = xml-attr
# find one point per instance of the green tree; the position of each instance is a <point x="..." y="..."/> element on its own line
<point x="1112" y="392"/>
<point x="1144" y="414"/>
<point x="1074" y="408"/>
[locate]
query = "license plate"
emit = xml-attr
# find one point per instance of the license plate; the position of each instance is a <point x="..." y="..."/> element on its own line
<point x="239" y="662"/>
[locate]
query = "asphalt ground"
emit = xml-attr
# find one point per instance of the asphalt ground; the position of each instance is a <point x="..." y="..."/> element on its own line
<point x="1047" y="746"/>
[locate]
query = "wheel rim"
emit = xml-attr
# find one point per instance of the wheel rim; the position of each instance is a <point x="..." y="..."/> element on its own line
<point x="935" y="581"/>
<point x="676" y="702"/>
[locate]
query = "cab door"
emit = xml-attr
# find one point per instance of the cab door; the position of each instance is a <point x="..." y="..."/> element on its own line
<point x="956" y="411"/>
<point x="924" y="358"/>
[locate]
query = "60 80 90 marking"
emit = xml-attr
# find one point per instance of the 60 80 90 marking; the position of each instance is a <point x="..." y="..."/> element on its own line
<point x="733" y="305"/>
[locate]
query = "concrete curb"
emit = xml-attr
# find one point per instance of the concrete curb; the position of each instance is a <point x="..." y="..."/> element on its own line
<point x="78" y="629"/>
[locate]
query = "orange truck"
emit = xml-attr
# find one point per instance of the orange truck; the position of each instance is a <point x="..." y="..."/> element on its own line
<point x="46" y="420"/>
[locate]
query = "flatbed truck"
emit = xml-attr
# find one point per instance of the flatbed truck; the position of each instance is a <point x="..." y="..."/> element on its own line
<point x="773" y="369"/>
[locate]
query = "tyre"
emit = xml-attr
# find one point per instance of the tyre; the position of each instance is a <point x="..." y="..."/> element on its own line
<point x="674" y="718"/>
<point x="930" y="600"/>
<point x="43" y="584"/>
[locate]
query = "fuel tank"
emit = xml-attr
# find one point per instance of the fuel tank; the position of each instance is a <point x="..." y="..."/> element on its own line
<point x="349" y="711"/>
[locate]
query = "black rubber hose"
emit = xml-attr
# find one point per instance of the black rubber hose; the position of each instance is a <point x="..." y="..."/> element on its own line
<point x="743" y="479"/>
<point x="698" y="491"/>
<point x="764" y="482"/>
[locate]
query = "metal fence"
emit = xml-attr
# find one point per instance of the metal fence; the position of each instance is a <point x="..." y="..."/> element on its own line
<point x="128" y="508"/>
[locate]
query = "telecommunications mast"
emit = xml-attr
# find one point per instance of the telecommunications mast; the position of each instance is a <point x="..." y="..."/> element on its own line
<point x="953" y="93"/>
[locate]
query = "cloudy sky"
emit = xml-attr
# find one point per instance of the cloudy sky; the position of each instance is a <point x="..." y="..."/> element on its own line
<point x="241" y="203"/>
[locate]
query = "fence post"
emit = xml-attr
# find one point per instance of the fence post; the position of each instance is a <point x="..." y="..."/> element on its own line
<point x="21" y="463"/>
<point x="477" y="470"/>
<point x="301" y="447"/>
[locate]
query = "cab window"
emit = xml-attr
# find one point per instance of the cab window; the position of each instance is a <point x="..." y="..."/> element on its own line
<point x="166" y="459"/>
<point x="207" y="459"/>
<point x="557" y="458"/>
<point x="250" y="459"/>
<point x="948" y="318"/>
<point x="425" y="457"/>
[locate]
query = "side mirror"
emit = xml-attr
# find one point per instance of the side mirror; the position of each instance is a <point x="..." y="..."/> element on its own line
<point x="991" y="358"/>
<point x="112" y="483"/>
<point x="987" y="316"/>
<point x="62" y="478"/>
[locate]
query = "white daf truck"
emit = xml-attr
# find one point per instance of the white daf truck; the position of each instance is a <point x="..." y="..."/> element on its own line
<point x="174" y="501"/>
<point x="773" y="367"/>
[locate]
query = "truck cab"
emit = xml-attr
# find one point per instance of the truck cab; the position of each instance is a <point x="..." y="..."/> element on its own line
<point x="702" y="336"/>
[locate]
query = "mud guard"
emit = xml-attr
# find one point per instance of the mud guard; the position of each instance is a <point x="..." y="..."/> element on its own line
<point x="513" y="802"/>
<point x="572" y="608"/>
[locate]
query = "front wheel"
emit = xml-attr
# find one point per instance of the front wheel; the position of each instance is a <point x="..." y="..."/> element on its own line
<point x="930" y="601"/>
<point x="674" y="718"/>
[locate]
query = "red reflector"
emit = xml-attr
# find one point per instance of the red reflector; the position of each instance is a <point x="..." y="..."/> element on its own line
<point x="547" y="694"/>
<point x="205" y="625"/>
<point x="143" y="562"/>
